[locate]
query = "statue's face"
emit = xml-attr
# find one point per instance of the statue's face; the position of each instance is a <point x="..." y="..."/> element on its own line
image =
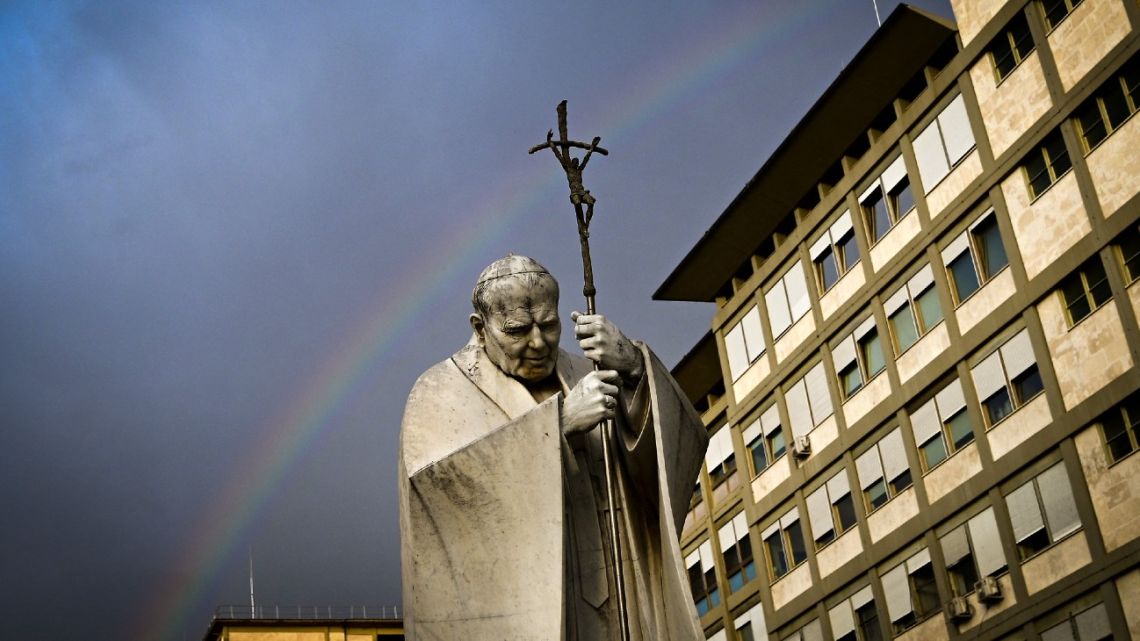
<point x="521" y="335"/>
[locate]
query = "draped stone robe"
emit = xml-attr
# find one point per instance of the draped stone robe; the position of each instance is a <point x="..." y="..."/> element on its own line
<point x="502" y="520"/>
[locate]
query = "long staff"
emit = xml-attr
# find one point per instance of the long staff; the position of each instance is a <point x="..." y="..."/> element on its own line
<point x="584" y="211"/>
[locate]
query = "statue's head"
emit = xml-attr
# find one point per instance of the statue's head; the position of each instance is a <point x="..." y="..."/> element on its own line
<point x="516" y="317"/>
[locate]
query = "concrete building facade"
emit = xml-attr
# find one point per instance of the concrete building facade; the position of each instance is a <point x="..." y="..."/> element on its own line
<point x="921" y="379"/>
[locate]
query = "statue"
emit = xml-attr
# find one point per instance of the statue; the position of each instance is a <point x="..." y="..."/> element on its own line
<point x="504" y="531"/>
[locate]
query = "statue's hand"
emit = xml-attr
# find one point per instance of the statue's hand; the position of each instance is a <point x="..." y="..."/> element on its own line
<point x="593" y="400"/>
<point x="604" y="344"/>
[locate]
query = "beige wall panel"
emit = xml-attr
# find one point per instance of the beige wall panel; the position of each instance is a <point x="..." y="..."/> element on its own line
<point x="768" y="480"/>
<point x="867" y="398"/>
<point x="921" y="353"/>
<point x="791" y="585"/>
<point x="1115" y="490"/>
<point x="954" y="471"/>
<point x="1128" y="587"/>
<point x="893" y="514"/>
<point x="1111" y="167"/>
<point x="1009" y="108"/>
<point x="895" y="240"/>
<point x="751" y="377"/>
<point x="842" y="291"/>
<point x="985" y="611"/>
<point x="1029" y="419"/>
<point x="276" y="634"/>
<point x="1085" y="36"/>
<point x="960" y="177"/>
<point x="972" y="15"/>
<point x="839" y="552"/>
<point x="1088" y="356"/>
<point x="1047" y="227"/>
<point x="1056" y="563"/>
<point x="932" y="629"/>
<point x="795" y="336"/>
<point x="985" y="300"/>
<point x="824" y="434"/>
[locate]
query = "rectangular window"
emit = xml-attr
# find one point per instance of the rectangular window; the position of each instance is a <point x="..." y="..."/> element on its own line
<point x="973" y="550"/>
<point x="1110" y="106"/>
<point x="1090" y="625"/>
<point x="911" y="592"/>
<point x="1055" y="11"/>
<point x="784" y="544"/>
<point x="883" y="470"/>
<point x="943" y="144"/>
<point x="1121" y="427"/>
<point x="974" y="257"/>
<point x="813" y="631"/>
<point x="721" y="461"/>
<point x="913" y="310"/>
<point x="858" y="358"/>
<point x="744" y="343"/>
<point x="787" y="300"/>
<point x="871" y="353"/>
<point x="835" y="253"/>
<point x="831" y="511"/>
<point x="941" y="426"/>
<point x="809" y="401"/>
<point x="860" y="606"/>
<point x="1007" y="378"/>
<point x="1085" y="290"/>
<point x="739" y="566"/>
<point x="1011" y="46"/>
<point x="1046" y="164"/>
<point x="1129" y="244"/>
<point x="702" y="578"/>
<point x="750" y="625"/>
<point x="887" y="200"/>
<point x="765" y="440"/>
<point x="1043" y="511"/>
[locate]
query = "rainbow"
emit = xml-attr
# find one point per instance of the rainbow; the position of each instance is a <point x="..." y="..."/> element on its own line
<point x="293" y="429"/>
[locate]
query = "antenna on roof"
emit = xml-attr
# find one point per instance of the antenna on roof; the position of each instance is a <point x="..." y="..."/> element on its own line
<point x="877" y="18"/>
<point x="252" y="605"/>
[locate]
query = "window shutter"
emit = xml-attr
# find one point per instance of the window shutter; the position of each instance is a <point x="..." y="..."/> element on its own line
<point x="956" y="130"/>
<point x="818" y="396"/>
<point x="896" y="301"/>
<point x="955" y="248"/>
<point x="737" y="355"/>
<point x="843" y="354"/>
<point x="1093" y="623"/>
<point x="988" y="376"/>
<point x="770" y="419"/>
<point x="893" y="454"/>
<point x="842" y="619"/>
<point x="922" y="280"/>
<point x="894" y="174"/>
<point x="932" y="164"/>
<point x="838" y="486"/>
<point x="869" y="468"/>
<point x="799" y="412"/>
<point x="820" y="246"/>
<point x="1057" y="495"/>
<point x="813" y="631"/>
<point x="925" y="423"/>
<point x="752" y="432"/>
<point x="790" y="517"/>
<point x="987" y="542"/>
<point x="897" y="592"/>
<point x="841" y="227"/>
<point x="796" y="283"/>
<point x="779" y="318"/>
<point x="862" y="598"/>
<point x="1018" y="354"/>
<point x="950" y="400"/>
<point x="819" y="512"/>
<point x="955" y="547"/>
<point x="753" y="336"/>
<point x="920" y="559"/>
<point x="1024" y="512"/>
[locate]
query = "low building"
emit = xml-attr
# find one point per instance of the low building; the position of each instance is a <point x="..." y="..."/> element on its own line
<point x="305" y="623"/>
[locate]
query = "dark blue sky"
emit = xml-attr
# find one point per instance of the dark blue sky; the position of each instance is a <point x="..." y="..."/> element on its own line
<point x="233" y="233"/>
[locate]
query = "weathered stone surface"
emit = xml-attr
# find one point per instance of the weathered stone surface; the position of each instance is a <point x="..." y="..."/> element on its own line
<point x="895" y="240"/>
<point x="1110" y="165"/>
<point x="1087" y="356"/>
<point x="1115" y="489"/>
<point x="1016" y="428"/>
<point x="794" y="337"/>
<point x="1056" y="563"/>
<point x="874" y="392"/>
<point x="791" y="585"/>
<point x="960" y="177"/>
<point x="985" y="300"/>
<point x="893" y="514"/>
<point x="1083" y="38"/>
<point x="1128" y="587"/>
<point x="1011" y="107"/>
<point x="837" y="553"/>
<point x="842" y="290"/>
<point x="923" y="351"/>
<point x="1047" y="227"/>
<point x="954" y="471"/>
<point x="972" y="15"/>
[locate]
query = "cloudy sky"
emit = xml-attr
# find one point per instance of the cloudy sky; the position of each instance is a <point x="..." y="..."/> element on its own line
<point x="233" y="233"/>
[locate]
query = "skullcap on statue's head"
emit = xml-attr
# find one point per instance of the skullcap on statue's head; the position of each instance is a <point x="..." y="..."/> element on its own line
<point x="524" y="267"/>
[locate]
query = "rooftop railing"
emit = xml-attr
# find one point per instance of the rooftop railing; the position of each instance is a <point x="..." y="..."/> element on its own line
<point x="307" y="612"/>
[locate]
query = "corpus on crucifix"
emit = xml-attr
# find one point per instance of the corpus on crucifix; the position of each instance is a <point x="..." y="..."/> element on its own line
<point x="512" y="454"/>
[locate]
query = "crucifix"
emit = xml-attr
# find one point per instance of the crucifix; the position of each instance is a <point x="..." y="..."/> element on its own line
<point x="583" y="203"/>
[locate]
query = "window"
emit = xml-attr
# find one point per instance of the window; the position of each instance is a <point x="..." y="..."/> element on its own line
<point x="1043" y="511"/>
<point x="744" y="343"/>
<point x="835" y="253"/>
<point x="883" y="470"/>
<point x="702" y="578"/>
<point x="784" y="544"/>
<point x="1121" y="426"/>
<point x="1129" y="244"/>
<point x="913" y="310"/>
<point x="1085" y="290"/>
<point x="808" y="400"/>
<point x="1011" y="46"/>
<point x="1007" y="379"/>
<point x="1089" y="625"/>
<point x="887" y="200"/>
<point x="942" y="426"/>
<point x="1056" y="10"/>
<point x="1112" y="104"/>
<point x="943" y="144"/>
<point x="973" y="550"/>
<point x="1046" y="164"/>
<point x="911" y="592"/>
<point x="831" y="510"/>
<point x="813" y="631"/>
<point x="974" y="257"/>
<point x="751" y="622"/>
<point x="737" y="549"/>
<point x="765" y="440"/>
<point x="721" y="462"/>
<point x="858" y="358"/>
<point x="787" y="300"/>
<point x="855" y="618"/>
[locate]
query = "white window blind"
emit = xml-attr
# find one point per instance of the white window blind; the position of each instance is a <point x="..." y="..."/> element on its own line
<point x="987" y="544"/>
<point x="943" y="143"/>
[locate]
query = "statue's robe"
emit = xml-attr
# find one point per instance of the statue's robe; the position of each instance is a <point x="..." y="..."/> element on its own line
<point x="502" y="520"/>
